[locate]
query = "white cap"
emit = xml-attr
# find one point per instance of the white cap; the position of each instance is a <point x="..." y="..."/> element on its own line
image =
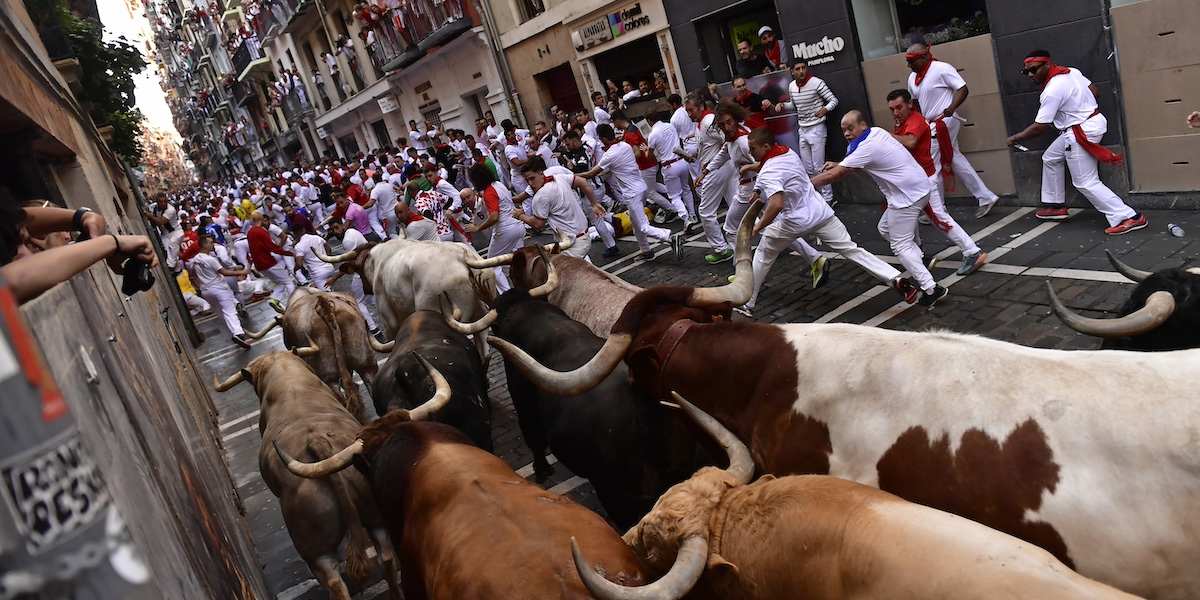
<point x="764" y="29"/>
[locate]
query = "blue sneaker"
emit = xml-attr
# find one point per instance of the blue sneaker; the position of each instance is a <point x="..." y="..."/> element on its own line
<point x="972" y="263"/>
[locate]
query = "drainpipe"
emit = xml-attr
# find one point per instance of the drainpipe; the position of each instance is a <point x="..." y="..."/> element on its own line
<point x="510" y="90"/>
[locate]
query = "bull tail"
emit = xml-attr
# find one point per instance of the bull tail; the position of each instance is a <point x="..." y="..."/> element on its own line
<point x="349" y="388"/>
<point x="358" y="566"/>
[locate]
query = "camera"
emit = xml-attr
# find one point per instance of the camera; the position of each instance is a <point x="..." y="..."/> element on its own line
<point x="138" y="277"/>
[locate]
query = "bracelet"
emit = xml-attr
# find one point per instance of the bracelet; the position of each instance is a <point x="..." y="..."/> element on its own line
<point x="118" y="242"/>
<point x="77" y="220"/>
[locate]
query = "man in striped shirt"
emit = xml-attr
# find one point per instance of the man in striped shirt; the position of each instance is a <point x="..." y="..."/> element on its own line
<point x="812" y="100"/>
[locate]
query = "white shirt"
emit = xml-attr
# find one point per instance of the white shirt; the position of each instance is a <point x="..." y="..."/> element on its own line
<point x="418" y="140"/>
<point x="558" y="204"/>
<point x="803" y="207"/>
<point x="892" y="166"/>
<point x="171" y="214"/>
<point x="601" y="116"/>
<point x="709" y="139"/>
<point x="205" y="270"/>
<point x="632" y="94"/>
<point x="518" y="152"/>
<point x="547" y="155"/>
<point x="663" y="140"/>
<point x="306" y="249"/>
<point x="385" y="198"/>
<point x="937" y="88"/>
<point x="352" y="239"/>
<point x="684" y="126"/>
<point x="1066" y="100"/>
<point x="448" y="190"/>
<point x="625" y="178"/>
<point x="737" y="151"/>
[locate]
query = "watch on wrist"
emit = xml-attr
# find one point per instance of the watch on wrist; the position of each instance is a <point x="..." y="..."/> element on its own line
<point x="77" y="220"/>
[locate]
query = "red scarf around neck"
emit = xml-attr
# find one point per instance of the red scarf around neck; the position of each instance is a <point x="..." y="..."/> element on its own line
<point x="700" y="121"/>
<point x="776" y="150"/>
<point x="925" y="69"/>
<point x="1100" y="152"/>
<point x="772" y="53"/>
<point x="741" y="131"/>
<point x="807" y="75"/>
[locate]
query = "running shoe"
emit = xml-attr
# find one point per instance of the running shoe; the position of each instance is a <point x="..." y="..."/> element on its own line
<point x="923" y="219"/>
<point x="971" y="263"/>
<point x="677" y="246"/>
<point x="646" y="256"/>
<point x="611" y="252"/>
<point x="984" y="209"/>
<point x="928" y="299"/>
<point x="906" y="289"/>
<point x="275" y="304"/>
<point x="715" y="258"/>
<point x="744" y="311"/>
<point x="1134" y="224"/>
<point x="1053" y="214"/>
<point x="820" y="272"/>
<point x="241" y="340"/>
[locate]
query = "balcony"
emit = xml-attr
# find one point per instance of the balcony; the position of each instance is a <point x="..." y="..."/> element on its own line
<point x="249" y="59"/>
<point x="62" y="55"/>
<point x="434" y="24"/>
<point x="241" y="93"/>
<point x="295" y="12"/>
<point x="295" y="108"/>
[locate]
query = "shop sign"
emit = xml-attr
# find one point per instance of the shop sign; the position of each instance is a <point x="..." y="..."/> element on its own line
<point x="387" y="104"/>
<point x="594" y="34"/>
<point x="424" y="87"/>
<point x="322" y="133"/>
<point x="610" y="27"/>
<point x="819" y="52"/>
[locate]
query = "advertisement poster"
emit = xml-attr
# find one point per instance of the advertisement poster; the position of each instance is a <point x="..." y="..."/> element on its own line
<point x="773" y="87"/>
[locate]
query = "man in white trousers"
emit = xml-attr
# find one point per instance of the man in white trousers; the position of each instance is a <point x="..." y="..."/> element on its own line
<point x="507" y="232"/>
<point x="306" y="248"/>
<point x="712" y="183"/>
<point x="626" y="182"/>
<point x="647" y="166"/>
<point x="1068" y="103"/>
<point x="263" y="251"/>
<point x="794" y="208"/>
<point x="939" y="90"/>
<point x="905" y="186"/>
<point x="664" y="142"/>
<point x="209" y="277"/>
<point x="352" y="239"/>
<point x="555" y="203"/>
<point x="811" y="98"/>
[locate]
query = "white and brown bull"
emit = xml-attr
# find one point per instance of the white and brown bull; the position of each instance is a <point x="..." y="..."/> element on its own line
<point x="300" y="414"/>
<point x="1094" y="456"/>
<point x="814" y="536"/>
<point x="329" y="333"/>
<point x="587" y="294"/>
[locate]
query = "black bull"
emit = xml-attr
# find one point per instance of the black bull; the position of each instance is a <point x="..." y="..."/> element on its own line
<point x="403" y="383"/>
<point x="629" y="446"/>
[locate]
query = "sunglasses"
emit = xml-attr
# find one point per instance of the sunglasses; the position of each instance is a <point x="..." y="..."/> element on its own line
<point x="1030" y="70"/>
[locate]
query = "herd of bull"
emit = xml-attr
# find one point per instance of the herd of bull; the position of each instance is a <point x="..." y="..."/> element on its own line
<point x="891" y="464"/>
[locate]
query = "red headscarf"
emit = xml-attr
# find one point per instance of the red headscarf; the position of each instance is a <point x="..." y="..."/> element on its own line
<point x="1054" y="69"/>
<point x="911" y="55"/>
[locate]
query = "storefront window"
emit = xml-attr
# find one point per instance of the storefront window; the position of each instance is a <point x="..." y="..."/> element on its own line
<point x="890" y="26"/>
<point x="721" y="33"/>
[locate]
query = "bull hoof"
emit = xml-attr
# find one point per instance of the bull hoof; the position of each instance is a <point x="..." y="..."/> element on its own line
<point x="542" y="470"/>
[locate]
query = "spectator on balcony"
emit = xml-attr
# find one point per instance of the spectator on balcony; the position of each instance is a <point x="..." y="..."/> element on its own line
<point x="298" y="86"/>
<point x="341" y="88"/>
<point x="255" y="11"/>
<point x="346" y="46"/>
<point x="319" y="82"/>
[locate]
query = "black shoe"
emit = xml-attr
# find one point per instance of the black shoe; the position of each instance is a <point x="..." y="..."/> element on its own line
<point x="646" y="256"/>
<point x="241" y="311"/>
<point x="611" y="252"/>
<point x="677" y="246"/>
<point x="241" y="340"/>
<point x="928" y="299"/>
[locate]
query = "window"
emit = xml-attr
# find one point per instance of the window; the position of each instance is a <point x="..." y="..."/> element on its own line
<point x="720" y="33"/>
<point x="530" y="8"/>
<point x="432" y="114"/>
<point x="889" y="26"/>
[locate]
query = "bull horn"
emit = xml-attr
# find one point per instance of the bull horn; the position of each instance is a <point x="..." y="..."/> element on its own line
<point x="568" y="383"/>
<point x="451" y="314"/>
<point x="376" y="346"/>
<point x="739" y="291"/>
<point x="685" y="572"/>
<point x="258" y="335"/>
<point x="224" y="386"/>
<point x="741" y="465"/>
<point x="321" y="468"/>
<point x="487" y="263"/>
<point x="1194" y="270"/>
<point x="306" y="351"/>
<point x="544" y="290"/>
<point x="1159" y="307"/>
<point x="560" y="245"/>
<point x="1134" y="274"/>
<point x="336" y="258"/>
<point x="441" y="394"/>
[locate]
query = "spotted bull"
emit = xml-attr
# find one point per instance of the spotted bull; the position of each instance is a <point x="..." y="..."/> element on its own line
<point x="1162" y="312"/>
<point x="814" y="536"/>
<point x="314" y="321"/>
<point x="300" y="414"/>
<point x="1023" y="440"/>
<point x="467" y="525"/>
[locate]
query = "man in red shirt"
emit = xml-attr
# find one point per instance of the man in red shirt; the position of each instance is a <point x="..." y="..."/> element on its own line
<point x="912" y="131"/>
<point x="648" y="166"/>
<point x="262" y="247"/>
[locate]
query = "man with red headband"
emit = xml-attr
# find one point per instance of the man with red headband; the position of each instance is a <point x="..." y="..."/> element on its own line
<point x="1068" y="103"/>
<point x="939" y="90"/>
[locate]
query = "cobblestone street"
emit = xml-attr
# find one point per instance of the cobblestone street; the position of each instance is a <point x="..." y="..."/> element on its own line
<point x="1005" y="300"/>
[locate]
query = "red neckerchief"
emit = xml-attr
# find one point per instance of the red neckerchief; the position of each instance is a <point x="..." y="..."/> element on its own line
<point x="1055" y="70"/>
<point x="776" y="150"/>
<point x="413" y="217"/>
<point x="701" y="119"/>
<point x="925" y="69"/>
<point x="772" y="53"/>
<point x="741" y="131"/>
<point x="744" y="96"/>
<point x="547" y="179"/>
<point x="1100" y="152"/>
<point x="807" y="76"/>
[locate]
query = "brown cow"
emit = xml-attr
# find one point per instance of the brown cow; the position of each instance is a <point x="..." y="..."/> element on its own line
<point x="299" y="413"/>
<point x="468" y="526"/>
<point x="812" y="536"/>
<point x="331" y="321"/>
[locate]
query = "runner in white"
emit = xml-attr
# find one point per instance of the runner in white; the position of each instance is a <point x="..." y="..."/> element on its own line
<point x="713" y="183"/>
<point x="383" y="209"/>
<point x="506" y="231"/>
<point x="352" y="239"/>
<point x="306" y="248"/>
<point x="626" y="182"/>
<point x="209" y="277"/>
<point x="555" y="203"/>
<point x="665" y="143"/>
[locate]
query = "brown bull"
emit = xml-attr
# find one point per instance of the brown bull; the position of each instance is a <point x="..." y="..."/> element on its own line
<point x="812" y="536"/>
<point x="468" y="526"/>
<point x="330" y="322"/>
<point x="299" y="413"/>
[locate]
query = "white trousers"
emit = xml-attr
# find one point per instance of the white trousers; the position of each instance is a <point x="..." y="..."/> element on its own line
<point x="583" y="244"/>
<point x="505" y="240"/>
<point x="376" y="223"/>
<point x="737" y="211"/>
<point x="964" y="173"/>
<point x="812" y="153"/>
<point x="284" y="285"/>
<point x="899" y="227"/>
<point x="642" y="229"/>
<point x="321" y="277"/>
<point x="220" y="296"/>
<point x="356" y="289"/>
<point x="195" y="303"/>
<point x="675" y="177"/>
<point x="955" y="231"/>
<point x="171" y="243"/>
<point x="713" y="188"/>
<point x="1085" y="173"/>
<point x="657" y="190"/>
<point x="781" y="233"/>
<point x="603" y="227"/>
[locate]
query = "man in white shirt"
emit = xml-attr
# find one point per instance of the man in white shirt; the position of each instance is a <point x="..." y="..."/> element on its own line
<point x="306" y="248"/>
<point x="794" y="208"/>
<point x="542" y="150"/>
<point x="385" y="197"/>
<point x="166" y="217"/>
<point x="812" y="100"/>
<point x="664" y="142"/>
<point x="208" y="275"/>
<point x="514" y="152"/>
<point x="713" y="183"/>
<point x="555" y="203"/>
<point x="904" y="185"/>
<point x="1068" y="103"/>
<point x="417" y="139"/>
<point x="939" y="90"/>
<point x="599" y="113"/>
<point x="626" y="181"/>
<point x="352" y="239"/>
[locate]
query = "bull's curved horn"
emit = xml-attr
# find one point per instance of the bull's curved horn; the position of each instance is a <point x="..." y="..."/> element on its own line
<point x="224" y="386"/>
<point x="1194" y="271"/>
<point x="441" y="395"/>
<point x="741" y="464"/>
<point x="322" y="468"/>
<point x="1159" y="307"/>
<point x="451" y="314"/>
<point x="563" y="242"/>
<point x="336" y="258"/>
<point x="739" y="291"/>
<point x="685" y="572"/>
<point x="376" y="346"/>
<point x="544" y="290"/>
<point x="1134" y="274"/>
<point x="487" y="263"/>
<point x="568" y="383"/>
<point x="258" y="335"/>
<point x="306" y="351"/>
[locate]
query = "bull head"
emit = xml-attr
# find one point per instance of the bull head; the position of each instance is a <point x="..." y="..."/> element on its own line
<point x="564" y="241"/>
<point x="1158" y="309"/>
<point x="591" y="373"/>
<point x="451" y="313"/>
<point x="345" y="456"/>
<point x="692" y="555"/>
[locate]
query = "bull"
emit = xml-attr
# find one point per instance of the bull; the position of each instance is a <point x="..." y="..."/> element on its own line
<point x="467" y="525"/>
<point x="301" y="414"/>
<point x="402" y="383"/>
<point x="332" y="321"/>
<point x="620" y="439"/>
<point x="1023" y="440"/>
<point x="1162" y="312"/>
<point x="813" y="536"/>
